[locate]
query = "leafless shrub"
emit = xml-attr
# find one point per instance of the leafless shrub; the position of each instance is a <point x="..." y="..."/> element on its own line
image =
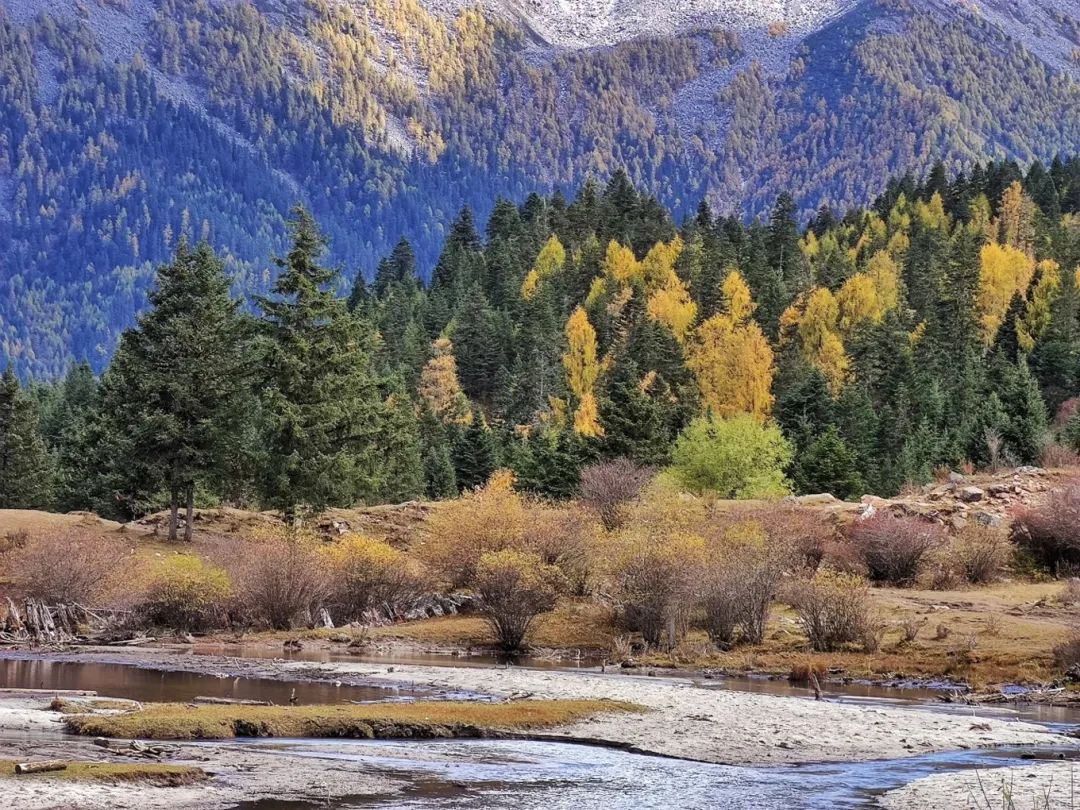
<point x="607" y="487"/>
<point x="739" y="582"/>
<point x="1056" y="456"/>
<point x="872" y="633"/>
<point x="280" y="578"/>
<point x="941" y="632"/>
<point x="980" y="553"/>
<point x="994" y="445"/>
<point x="894" y="548"/>
<point x="564" y="537"/>
<point x="1070" y="593"/>
<point x="1067" y="654"/>
<point x="807" y="532"/>
<point x="1050" y="531"/>
<point x="72" y="566"/>
<point x="14" y="541"/>
<point x="992" y="624"/>
<point x="833" y="608"/>
<point x="801" y="671"/>
<point x="513" y="589"/>
<point x="911" y="627"/>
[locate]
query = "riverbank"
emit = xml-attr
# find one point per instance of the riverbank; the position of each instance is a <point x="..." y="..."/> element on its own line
<point x="683" y="719"/>
<point x="1047" y="786"/>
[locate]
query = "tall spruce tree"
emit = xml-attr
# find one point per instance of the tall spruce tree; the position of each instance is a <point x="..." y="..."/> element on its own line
<point x="183" y="376"/>
<point x="322" y="408"/>
<point x="25" y="469"/>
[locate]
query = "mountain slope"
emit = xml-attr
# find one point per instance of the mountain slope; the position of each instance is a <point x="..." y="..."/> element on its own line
<point x="124" y="123"/>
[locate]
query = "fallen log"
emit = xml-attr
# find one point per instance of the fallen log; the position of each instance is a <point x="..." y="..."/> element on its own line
<point x="41" y="767"/>
<point x="220" y="701"/>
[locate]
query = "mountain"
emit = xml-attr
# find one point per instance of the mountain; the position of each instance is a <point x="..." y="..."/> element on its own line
<point x="125" y="123"/>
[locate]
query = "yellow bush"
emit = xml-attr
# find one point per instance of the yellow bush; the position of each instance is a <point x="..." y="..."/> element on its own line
<point x="491" y="518"/>
<point x="366" y="573"/>
<point x="185" y="592"/>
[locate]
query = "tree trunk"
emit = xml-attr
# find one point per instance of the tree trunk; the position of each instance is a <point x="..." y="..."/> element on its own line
<point x="189" y="525"/>
<point x="174" y="508"/>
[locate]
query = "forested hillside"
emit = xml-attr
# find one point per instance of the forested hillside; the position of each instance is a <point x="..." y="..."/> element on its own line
<point x="939" y="328"/>
<point x="125" y="124"/>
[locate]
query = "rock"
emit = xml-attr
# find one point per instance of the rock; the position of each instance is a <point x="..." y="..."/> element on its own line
<point x="958" y="522"/>
<point x="818" y="499"/>
<point x="971" y="494"/>
<point x="988" y="519"/>
<point x="956" y="478"/>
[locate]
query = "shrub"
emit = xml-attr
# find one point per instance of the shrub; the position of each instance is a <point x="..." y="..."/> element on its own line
<point x="833" y="608"/>
<point x="513" y="588"/>
<point x="1057" y="456"/>
<point x="980" y="554"/>
<point x="73" y="566"/>
<point x="740" y="579"/>
<point x="807" y="533"/>
<point x="365" y="573"/>
<point x="279" y="578"/>
<point x="653" y="577"/>
<point x="1067" y="654"/>
<point x="738" y="457"/>
<point x="185" y="593"/>
<point x="458" y="533"/>
<point x="894" y="548"/>
<point x="564" y="537"/>
<point x="1070" y="593"/>
<point x="1050" y="532"/>
<point x="608" y="486"/>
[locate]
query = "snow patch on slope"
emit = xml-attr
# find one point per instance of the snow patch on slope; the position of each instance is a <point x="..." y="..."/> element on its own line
<point x="589" y="23"/>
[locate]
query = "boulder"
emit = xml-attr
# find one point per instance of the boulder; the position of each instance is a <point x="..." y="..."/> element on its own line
<point x="971" y="494"/>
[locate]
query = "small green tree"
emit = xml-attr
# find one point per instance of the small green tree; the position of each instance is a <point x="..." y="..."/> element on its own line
<point x="738" y="457"/>
<point x="828" y="465"/>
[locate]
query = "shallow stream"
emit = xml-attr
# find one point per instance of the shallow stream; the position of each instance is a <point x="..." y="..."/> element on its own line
<point x="550" y="775"/>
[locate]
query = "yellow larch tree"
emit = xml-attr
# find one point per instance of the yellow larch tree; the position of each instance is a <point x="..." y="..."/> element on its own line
<point x="868" y="297"/>
<point x="582" y="371"/>
<point x="730" y="357"/>
<point x="440" y="387"/>
<point x="1004" y="271"/>
<point x="549" y="262"/>
<point x="1015" y="225"/>
<point x="815" y="322"/>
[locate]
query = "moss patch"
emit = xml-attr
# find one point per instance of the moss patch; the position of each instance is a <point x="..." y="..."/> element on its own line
<point x="427" y="719"/>
<point x="153" y="774"/>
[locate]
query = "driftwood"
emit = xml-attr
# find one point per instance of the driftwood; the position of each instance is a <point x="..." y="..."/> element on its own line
<point x="62" y="692"/>
<point x="220" y="701"/>
<point x="41" y="767"/>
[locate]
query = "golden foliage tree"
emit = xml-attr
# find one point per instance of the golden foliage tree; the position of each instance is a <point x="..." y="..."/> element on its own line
<point x="731" y="358"/>
<point x="815" y="322"/>
<point x="582" y="371"/>
<point x="440" y="387"/>
<point x="1004" y="271"/>
<point x="549" y="262"/>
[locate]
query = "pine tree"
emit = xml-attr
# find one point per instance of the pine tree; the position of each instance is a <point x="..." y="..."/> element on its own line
<point x="402" y="470"/>
<point x="25" y="468"/>
<point x="184" y="372"/>
<point x="475" y="456"/>
<point x="635" y="422"/>
<point x="549" y="463"/>
<point x="322" y="403"/>
<point x="826" y="464"/>
<point x="69" y="433"/>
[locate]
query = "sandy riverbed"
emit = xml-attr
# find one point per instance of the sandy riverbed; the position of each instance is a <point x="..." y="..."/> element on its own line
<point x="1049" y="786"/>
<point x="29" y="732"/>
<point x="713" y="725"/>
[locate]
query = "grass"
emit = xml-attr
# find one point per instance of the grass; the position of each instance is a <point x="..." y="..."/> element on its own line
<point x="69" y="706"/>
<point x="426" y="719"/>
<point x="154" y="774"/>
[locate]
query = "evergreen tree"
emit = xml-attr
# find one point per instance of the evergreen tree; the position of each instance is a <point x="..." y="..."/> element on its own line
<point x="25" y="469"/>
<point x="324" y="415"/>
<point x="69" y="432"/>
<point x="549" y="463"/>
<point x="185" y="367"/>
<point x="827" y="465"/>
<point x="475" y="456"/>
